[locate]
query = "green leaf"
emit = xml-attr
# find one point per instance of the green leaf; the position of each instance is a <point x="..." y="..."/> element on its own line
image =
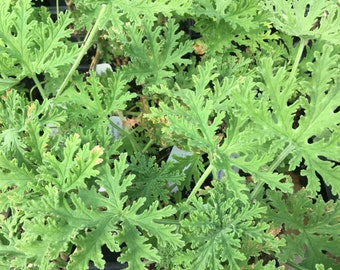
<point x="322" y="267"/>
<point x="192" y="115"/>
<point x="311" y="228"/>
<point x="70" y="169"/>
<point x="192" y="166"/>
<point x="47" y="239"/>
<point x="14" y="177"/>
<point x="316" y="136"/>
<point x="154" y="51"/>
<point x="272" y="105"/>
<point x="123" y="11"/>
<point x="97" y="99"/>
<point x="12" y="119"/>
<point x="91" y="218"/>
<point x="240" y="13"/>
<point x="151" y="180"/>
<point x="329" y="29"/>
<point x="36" y="46"/>
<point x="223" y="24"/>
<point x="299" y="17"/>
<point x="36" y="143"/>
<point x="215" y="230"/>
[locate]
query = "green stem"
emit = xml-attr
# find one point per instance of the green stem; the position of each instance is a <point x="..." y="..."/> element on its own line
<point x="133" y="142"/>
<point x="86" y="46"/>
<point x="295" y="266"/>
<point x="147" y="146"/>
<point x="297" y="59"/>
<point x="290" y="147"/>
<point x="57" y="7"/>
<point x="200" y="182"/>
<point x="195" y="189"/>
<point x="38" y="84"/>
<point x="166" y="221"/>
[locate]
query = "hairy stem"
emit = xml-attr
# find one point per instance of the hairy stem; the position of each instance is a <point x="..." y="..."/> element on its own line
<point x="85" y="47"/>
<point x="290" y="147"/>
<point x="39" y="86"/>
<point x="200" y="181"/>
<point x="295" y="266"/>
<point x="167" y="221"/>
<point x="57" y="7"/>
<point x="96" y="57"/>
<point x="297" y="59"/>
<point x="147" y="146"/>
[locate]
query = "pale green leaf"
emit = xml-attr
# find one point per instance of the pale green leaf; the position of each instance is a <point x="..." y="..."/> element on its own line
<point x="34" y="45"/>
<point x="298" y="17"/>
<point x="154" y="52"/>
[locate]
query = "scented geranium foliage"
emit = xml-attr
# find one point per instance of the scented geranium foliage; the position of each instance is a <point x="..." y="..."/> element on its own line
<point x="313" y="224"/>
<point x="246" y="91"/>
<point x="60" y="179"/>
<point x="224" y="232"/>
<point x="31" y="43"/>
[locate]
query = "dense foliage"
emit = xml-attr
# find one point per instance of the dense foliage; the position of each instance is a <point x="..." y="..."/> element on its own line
<point x="250" y="90"/>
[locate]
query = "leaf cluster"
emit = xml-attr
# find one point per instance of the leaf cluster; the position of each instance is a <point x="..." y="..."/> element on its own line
<point x="223" y="232"/>
<point x="31" y="43"/>
<point x="254" y="97"/>
<point x="310" y="228"/>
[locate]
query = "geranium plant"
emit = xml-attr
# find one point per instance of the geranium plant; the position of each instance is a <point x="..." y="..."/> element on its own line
<point x="248" y="90"/>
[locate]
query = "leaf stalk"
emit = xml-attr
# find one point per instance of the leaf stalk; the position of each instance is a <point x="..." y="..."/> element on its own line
<point x="39" y="86"/>
<point x="290" y="147"/>
<point x="86" y="45"/>
<point x="200" y="181"/>
<point x="297" y="59"/>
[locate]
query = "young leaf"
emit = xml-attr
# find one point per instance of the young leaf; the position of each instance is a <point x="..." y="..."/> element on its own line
<point x="152" y="181"/>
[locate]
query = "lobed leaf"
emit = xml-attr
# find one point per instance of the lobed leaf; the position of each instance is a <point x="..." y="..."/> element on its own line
<point x="154" y="51"/>
<point x="34" y="45"/>
<point x="297" y="18"/>
<point x="216" y="228"/>
<point x="151" y="180"/>
<point x="69" y="170"/>
<point x="310" y="228"/>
